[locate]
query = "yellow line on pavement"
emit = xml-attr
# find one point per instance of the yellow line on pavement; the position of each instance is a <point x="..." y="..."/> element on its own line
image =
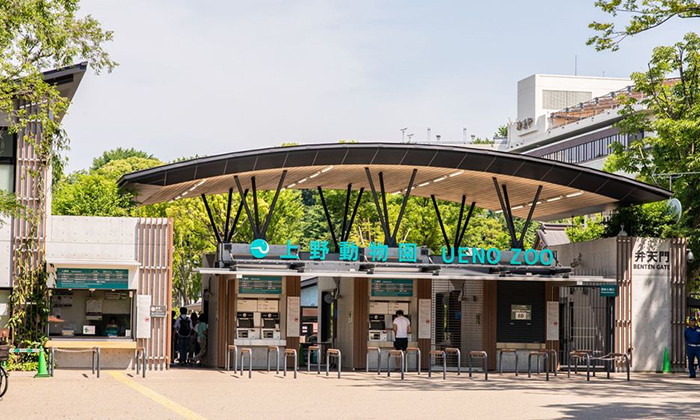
<point x="165" y="402"/>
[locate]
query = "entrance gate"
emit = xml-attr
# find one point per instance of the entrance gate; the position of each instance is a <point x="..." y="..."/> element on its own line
<point x="586" y="321"/>
<point x="457" y="307"/>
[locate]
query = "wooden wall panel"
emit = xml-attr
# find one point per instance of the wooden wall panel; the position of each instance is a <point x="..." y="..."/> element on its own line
<point x="293" y="288"/>
<point x="678" y="303"/>
<point x="489" y="321"/>
<point x="425" y="291"/>
<point x="360" y="327"/>
<point x="552" y="295"/>
<point x="154" y="253"/>
<point x="623" y="301"/>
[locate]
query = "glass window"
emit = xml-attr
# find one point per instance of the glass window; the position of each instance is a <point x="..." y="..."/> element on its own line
<point x="7" y="160"/>
<point x="86" y="313"/>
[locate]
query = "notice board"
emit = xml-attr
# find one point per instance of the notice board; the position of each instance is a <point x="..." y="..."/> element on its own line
<point x="391" y="287"/>
<point x="143" y="316"/>
<point x="293" y="316"/>
<point x="260" y="285"/>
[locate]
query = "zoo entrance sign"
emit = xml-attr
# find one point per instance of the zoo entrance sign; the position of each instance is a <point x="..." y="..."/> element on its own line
<point x="408" y="253"/>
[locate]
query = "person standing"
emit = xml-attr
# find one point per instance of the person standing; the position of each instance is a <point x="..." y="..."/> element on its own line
<point x="202" y="331"/>
<point x="183" y="328"/>
<point x="692" y="342"/>
<point x="402" y="327"/>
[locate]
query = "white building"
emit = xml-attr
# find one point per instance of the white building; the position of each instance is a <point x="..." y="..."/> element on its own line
<point x="568" y="118"/>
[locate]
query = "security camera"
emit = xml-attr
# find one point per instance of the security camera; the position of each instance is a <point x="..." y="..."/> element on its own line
<point x="689" y="256"/>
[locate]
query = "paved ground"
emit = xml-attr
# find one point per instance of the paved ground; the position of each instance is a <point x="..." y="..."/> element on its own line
<point x="214" y="394"/>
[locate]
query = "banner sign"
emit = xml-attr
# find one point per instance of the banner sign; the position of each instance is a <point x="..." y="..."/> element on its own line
<point x="409" y="252"/>
<point x="92" y="278"/>
<point x="392" y="287"/>
<point x="608" y="291"/>
<point x="259" y="285"/>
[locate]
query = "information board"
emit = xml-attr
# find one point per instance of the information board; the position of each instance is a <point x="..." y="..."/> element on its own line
<point x="143" y="314"/>
<point x="259" y="285"/>
<point x="552" y="321"/>
<point x="392" y="287"/>
<point x="521" y="312"/>
<point x="424" y="318"/>
<point x="293" y="316"/>
<point x="92" y="278"/>
<point x="608" y="290"/>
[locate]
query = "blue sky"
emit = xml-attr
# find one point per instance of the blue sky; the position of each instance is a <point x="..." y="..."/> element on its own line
<point x="218" y="76"/>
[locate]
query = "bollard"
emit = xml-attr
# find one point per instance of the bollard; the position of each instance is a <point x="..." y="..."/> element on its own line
<point x="388" y="362"/>
<point x="312" y="349"/>
<point x="415" y="350"/>
<point x="249" y="353"/>
<point x="500" y="359"/>
<point x="235" y="357"/>
<point x="452" y="350"/>
<point x="276" y="349"/>
<point x="290" y="353"/>
<point x="379" y="359"/>
<point x="333" y="353"/>
<point x="485" y="356"/>
<point x="444" y="362"/>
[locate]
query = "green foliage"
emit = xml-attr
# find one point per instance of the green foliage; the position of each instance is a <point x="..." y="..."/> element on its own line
<point x="36" y="35"/>
<point x="118" y="154"/>
<point x="479" y="140"/>
<point x="586" y="228"/>
<point x="643" y="16"/>
<point x="674" y="118"/>
<point x="501" y="131"/>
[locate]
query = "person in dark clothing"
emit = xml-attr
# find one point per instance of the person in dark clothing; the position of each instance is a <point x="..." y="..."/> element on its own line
<point x="692" y="342"/>
<point x="183" y="328"/>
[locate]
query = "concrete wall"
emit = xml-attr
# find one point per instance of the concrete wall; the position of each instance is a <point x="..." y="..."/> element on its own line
<point x="651" y="289"/>
<point x="597" y="258"/>
<point x="5" y="252"/>
<point x="651" y="313"/>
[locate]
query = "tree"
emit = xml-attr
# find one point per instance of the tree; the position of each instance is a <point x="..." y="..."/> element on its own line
<point x="674" y="117"/>
<point x="118" y="154"/>
<point x="96" y="193"/>
<point x="644" y="15"/>
<point x="36" y="36"/>
<point x="501" y="131"/>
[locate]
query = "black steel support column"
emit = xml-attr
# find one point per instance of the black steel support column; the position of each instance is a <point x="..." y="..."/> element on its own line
<point x="403" y="205"/>
<point x="466" y="223"/>
<point x="439" y="219"/>
<point x="230" y="233"/>
<point x="256" y="234"/>
<point x="385" y="226"/>
<point x="328" y="219"/>
<point x="459" y="220"/>
<point x="274" y="202"/>
<point x="211" y="219"/>
<point x="346" y="235"/>
<point x="345" y="213"/>
<point x="228" y="213"/>
<point x="508" y="214"/>
<point x="529" y="215"/>
<point x="255" y="203"/>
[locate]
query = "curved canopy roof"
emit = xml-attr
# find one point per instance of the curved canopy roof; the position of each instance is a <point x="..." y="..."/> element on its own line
<point x="444" y="171"/>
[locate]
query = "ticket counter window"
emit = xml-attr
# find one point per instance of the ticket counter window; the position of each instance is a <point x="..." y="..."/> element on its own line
<point x="85" y="313"/>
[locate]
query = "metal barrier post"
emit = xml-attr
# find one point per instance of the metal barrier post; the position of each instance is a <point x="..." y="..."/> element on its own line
<point x="500" y="359"/>
<point x="235" y="357"/>
<point x="53" y="360"/>
<point x="98" y="362"/>
<point x="287" y="353"/>
<point x="444" y="362"/>
<point x="312" y="349"/>
<point x="335" y="353"/>
<point x="485" y="356"/>
<point x="388" y="362"/>
<point x="554" y="359"/>
<point x="248" y="352"/>
<point x="417" y="352"/>
<point x="143" y="355"/>
<point x="277" y="355"/>
<point x="379" y="359"/>
<point x="459" y="358"/>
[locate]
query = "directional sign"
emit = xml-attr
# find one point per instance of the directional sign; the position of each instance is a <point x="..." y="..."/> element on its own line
<point x="92" y="278"/>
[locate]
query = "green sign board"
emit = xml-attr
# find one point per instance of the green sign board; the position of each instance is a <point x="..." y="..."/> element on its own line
<point x="259" y="285"/>
<point x="92" y="278"/>
<point x="392" y="287"/>
<point x="608" y="291"/>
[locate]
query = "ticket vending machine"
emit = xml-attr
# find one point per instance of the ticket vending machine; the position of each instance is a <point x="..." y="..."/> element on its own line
<point x="381" y="317"/>
<point x="270" y="325"/>
<point x="245" y="326"/>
